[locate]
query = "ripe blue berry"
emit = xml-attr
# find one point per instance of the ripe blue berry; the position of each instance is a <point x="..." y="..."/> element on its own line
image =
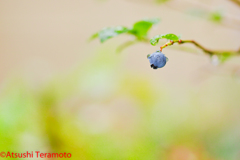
<point x="157" y="60"/>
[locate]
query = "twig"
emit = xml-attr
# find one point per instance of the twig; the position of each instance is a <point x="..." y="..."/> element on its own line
<point x="236" y="2"/>
<point x="207" y="51"/>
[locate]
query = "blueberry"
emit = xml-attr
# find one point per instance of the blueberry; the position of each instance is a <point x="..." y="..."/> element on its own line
<point x="157" y="60"/>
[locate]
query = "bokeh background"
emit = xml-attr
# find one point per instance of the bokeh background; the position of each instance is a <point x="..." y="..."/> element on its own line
<point x="60" y="93"/>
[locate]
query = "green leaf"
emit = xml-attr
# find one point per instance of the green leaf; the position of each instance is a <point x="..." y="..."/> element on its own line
<point x="141" y="28"/>
<point x="169" y="36"/>
<point x="109" y="32"/>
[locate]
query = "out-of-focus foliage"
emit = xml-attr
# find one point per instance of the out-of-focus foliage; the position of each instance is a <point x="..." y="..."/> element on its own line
<point x="101" y="111"/>
<point x="216" y="16"/>
<point x="224" y="57"/>
<point x="161" y="1"/>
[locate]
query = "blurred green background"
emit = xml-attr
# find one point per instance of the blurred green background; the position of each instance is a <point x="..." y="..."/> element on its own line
<point x="59" y="93"/>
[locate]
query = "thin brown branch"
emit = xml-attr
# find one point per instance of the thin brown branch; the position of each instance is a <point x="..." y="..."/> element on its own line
<point x="237" y="2"/>
<point x="207" y="51"/>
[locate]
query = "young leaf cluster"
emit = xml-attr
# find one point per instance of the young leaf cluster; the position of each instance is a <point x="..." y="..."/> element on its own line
<point x="139" y="30"/>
